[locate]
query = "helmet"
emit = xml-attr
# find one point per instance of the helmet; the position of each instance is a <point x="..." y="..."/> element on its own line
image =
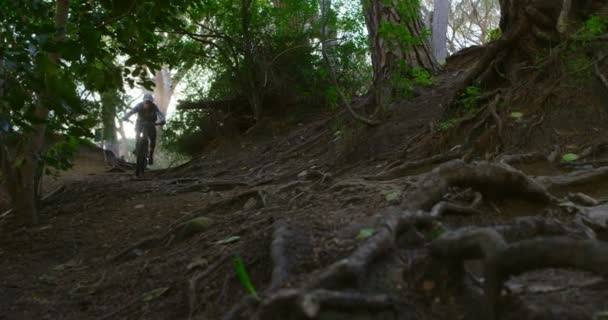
<point x="148" y="97"/>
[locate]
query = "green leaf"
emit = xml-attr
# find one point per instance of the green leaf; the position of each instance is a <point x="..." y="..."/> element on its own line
<point x="229" y="240"/>
<point x="516" y="115"/>
<point x="365" y="233"/>
<point x="154" y="294"/>
<point x="239" y="268"/>
<point x="569" y="157"/>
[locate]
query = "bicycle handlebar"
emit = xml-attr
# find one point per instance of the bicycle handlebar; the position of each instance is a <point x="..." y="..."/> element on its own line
<point x="144" y="122"/>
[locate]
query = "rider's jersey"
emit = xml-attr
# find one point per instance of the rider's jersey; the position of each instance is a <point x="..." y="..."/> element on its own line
<point x="151" y="115"/>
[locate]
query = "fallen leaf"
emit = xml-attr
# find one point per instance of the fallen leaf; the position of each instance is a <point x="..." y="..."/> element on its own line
<point x="365" y="233"/>
<point x="154" y="294"/>
<point x="569" y="157"/>
<point x="516" y="115"/>
<point x="569" y="204"/>
<point x="229" y="240"/>
<point x="47" y="227"/>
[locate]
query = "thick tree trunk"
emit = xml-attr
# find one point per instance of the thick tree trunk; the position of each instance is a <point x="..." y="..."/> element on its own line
<point x="163" y="88"/>
<point x="439" y="43"/>
<point x="252" y="88"/>
<point x="20" y="166"/>
<point x="388" y="24"/>
<point x="328" y="33"/>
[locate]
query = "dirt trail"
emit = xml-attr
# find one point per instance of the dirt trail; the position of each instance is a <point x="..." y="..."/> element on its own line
<point x="115" y="247"/>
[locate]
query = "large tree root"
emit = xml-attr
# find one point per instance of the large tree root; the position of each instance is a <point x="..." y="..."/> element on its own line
<point x="306" y="304"/>
<point x="512" y="159"/>
<point x="489" y="178"/>
<point x="502" y="260"/>
<point x="280" y="272"/>
<point x="573" y="178"/>
<point x="287" y="243"/>
<point x="529" y="227"/>
<point x="193" y="284"/>
<point x="347" y="272"/>
<point x="445" y="207"/>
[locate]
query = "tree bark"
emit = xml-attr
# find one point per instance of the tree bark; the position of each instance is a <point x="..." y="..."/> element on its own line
<point x="251" y="82"/>
<point x="163" y="88"/>
<point x="328" y="33"/>
<point x="441" y="11"/>
<point x="20" y="166"/>
<point x="386" y="24"/>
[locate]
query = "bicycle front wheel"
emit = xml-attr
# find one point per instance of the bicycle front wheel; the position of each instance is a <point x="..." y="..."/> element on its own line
<point x="142" y="152"/>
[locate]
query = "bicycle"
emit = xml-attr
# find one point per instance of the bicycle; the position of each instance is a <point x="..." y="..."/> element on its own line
<point x="142" y="146"/>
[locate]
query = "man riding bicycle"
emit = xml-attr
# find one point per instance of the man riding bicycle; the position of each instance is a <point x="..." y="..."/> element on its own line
<point x="147" y="116"/>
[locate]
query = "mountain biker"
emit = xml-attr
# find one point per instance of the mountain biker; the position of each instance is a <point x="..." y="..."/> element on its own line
<point x="147" y="116"/>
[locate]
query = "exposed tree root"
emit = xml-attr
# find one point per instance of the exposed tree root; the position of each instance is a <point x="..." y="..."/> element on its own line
<point x="238" y="198"/>
<point x="499" y="125"/>
<point x="335" y="285"/>
<point x="347" y="272"/>
<point x="583" y="199"/>
<point x="492" y="51"/>
<point x="444" y="207"/>
<point x="530" y="227"/>
<point x="402" y="170"/>
<point x="306" y="304"/>
<point x="601" y="76"/>
<point x="280" y="239"/>
<point x="502" y="260"/>
<point x="489" y="178"/>
<point x="217" y="185"/>
<point x="512" y="159"/>
<point x="573" y="178"/>
<point x="192" y="287"/>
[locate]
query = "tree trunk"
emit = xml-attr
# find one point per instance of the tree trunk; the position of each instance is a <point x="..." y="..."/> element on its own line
<point x="398" y="19"/>
<point x="439" y="41"/>
<point x="20" y="165"/>
<point x="328" y="33"/>
<point x="123" y="148"/>
<point x="163" y="88"/>
<point x="254" y="96"/>
<point x="527" y="28"/>
<point x="109" y="102"/>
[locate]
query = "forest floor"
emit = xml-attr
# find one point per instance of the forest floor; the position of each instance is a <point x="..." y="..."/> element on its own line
<point x="113" y="246"/>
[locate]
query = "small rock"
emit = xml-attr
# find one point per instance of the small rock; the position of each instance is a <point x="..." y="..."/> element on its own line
<point x="199" y="262"/>
<point x="251" y="204"/>
<point x="192" y="227"/>
<point x="138" y="252"/>
<point x="139" y="206"/>
<point x="393" y="197"/>
<point x="303" y="174"/>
